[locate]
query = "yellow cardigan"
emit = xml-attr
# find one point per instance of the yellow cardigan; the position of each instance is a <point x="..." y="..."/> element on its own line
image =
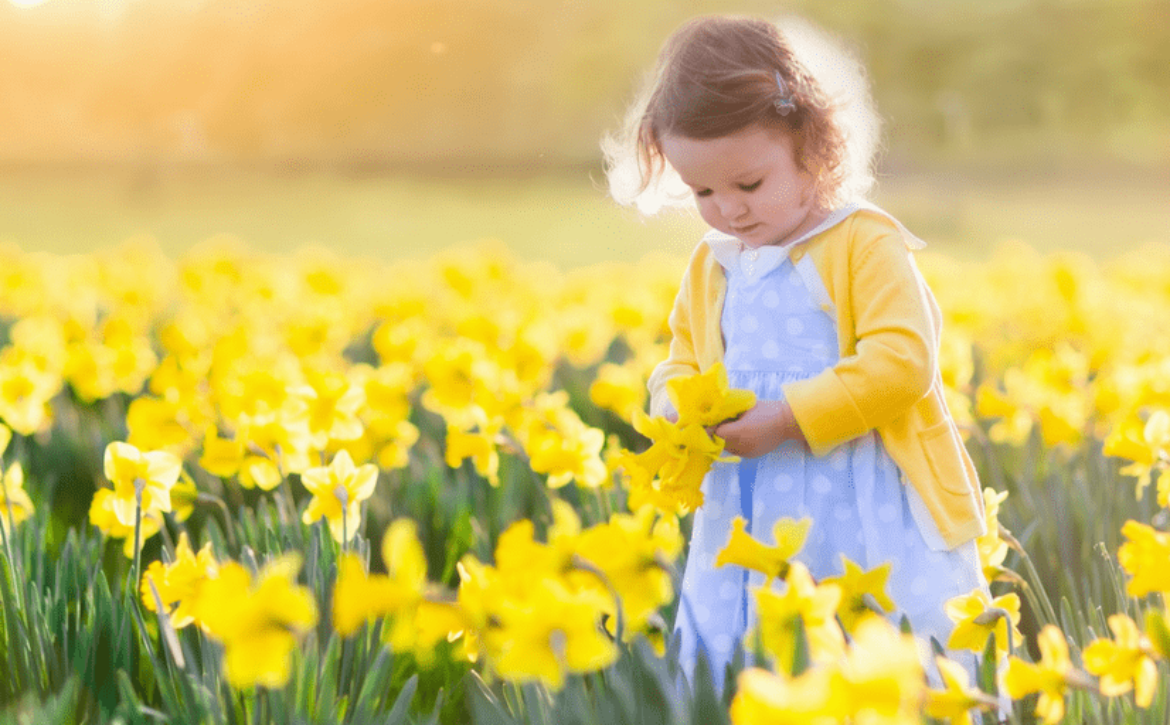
<point x="887" y="377"/>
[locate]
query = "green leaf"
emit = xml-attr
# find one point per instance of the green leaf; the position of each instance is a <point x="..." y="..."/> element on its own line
<point x="401" y="706"/>
<point x="987" y="667"/>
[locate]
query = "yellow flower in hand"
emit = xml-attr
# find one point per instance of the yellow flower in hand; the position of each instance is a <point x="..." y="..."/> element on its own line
<point x="771" y="561"/>
<point x="1050" y="677"/>
<point x="338" y="490"/>
<point x="706" y="399"/>
<point x="138" y="477"/>
<point x="1125" y="663"/>
<point x="669" y="474"/>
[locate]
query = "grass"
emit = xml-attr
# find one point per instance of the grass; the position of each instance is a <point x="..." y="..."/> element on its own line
<point x="563" y="218"/>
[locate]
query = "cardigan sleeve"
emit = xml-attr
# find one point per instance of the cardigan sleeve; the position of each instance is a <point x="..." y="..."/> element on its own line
<point x="893" y="361"/>
<point x="683" y="359"/>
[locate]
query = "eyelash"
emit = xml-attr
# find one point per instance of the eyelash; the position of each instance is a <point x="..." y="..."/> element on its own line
<point x="743" y="187"/>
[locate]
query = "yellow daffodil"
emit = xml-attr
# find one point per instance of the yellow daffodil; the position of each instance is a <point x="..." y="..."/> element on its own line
<point x="1015" y="422"/>
<point x="15" y="504"/>
<point x="863" y="593"/>
<point x="881" y="677"/>
<point x="158" y="424"/>
<point x="479" y="446"/>
<point x="338" y="491"/>
<point x="561" y="446"/>
<point x="358" y="596"/>
<point x="25" y="391"/>
<point x="1145" y="445"/>
<point x="977" y="616"/>
<point x="329" y="406"/>
<point x="534" y="615"/>
<point x="804" y="601"/>
<point x="1164" y="488"/>
<point x="388" y="435"/>
<point x="179" y="583"/>
<point x="101" y="515"/>
<point x="1050" y="677"/>
<point x="221" y="456"/>
<point x="630" y="550"/>
<point x="418" y="619"/>
<point x="955" y="702"/>
<point x="549" y="633"/>
<point x="118" y="357"/>
<point x="1144" y="557"/>
<point x="766" y="698"/>
<point x="706" y="399"/>
<point x="670" y="472"/>
<point x="772" y="561"/>
<point x="992" y="549"/>
<point x="619" y="388"/>
<point x="140" y="478"/>
<point x="259" y="621"/>
<point x="1124" y="663"/>
<point x="455" y="374"/>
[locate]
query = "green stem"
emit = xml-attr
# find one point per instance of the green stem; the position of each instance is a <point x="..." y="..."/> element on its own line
<point x="228" y="525"/>
<point x="137" y="541"/>
<point x="1038" y="586"/>
<point x="13" y="564"/>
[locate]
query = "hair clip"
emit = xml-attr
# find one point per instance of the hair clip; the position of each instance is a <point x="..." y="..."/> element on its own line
<point x="783" y="101"/>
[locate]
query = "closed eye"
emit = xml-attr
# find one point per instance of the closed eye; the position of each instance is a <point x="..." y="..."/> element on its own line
<point x="702" y="192"/>
<point x="752" y="186"/>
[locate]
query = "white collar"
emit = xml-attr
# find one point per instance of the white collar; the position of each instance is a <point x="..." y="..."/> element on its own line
<point x="730" y="252"/>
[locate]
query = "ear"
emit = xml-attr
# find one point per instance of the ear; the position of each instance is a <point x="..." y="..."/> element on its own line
<point x="810" y="190"/>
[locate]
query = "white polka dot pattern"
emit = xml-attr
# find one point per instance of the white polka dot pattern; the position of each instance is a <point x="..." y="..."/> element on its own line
<point x="777" y="333"/>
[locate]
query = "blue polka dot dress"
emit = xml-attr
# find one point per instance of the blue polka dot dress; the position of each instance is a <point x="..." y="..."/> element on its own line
<point x="779" y="326"/>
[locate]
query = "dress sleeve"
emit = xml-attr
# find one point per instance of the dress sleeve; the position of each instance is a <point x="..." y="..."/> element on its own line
<point x="894" y="361"/>
<point x="682" y="359"/>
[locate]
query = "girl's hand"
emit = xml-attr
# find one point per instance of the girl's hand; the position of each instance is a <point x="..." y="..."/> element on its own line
<point x="760" y="430"/>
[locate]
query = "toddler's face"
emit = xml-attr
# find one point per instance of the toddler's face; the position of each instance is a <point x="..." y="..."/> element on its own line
<point x="747" y="184"/>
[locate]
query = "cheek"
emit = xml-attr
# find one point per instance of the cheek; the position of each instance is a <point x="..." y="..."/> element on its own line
<point x="708" y="211"/>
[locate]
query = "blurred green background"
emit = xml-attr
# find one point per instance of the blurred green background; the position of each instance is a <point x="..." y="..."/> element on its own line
<point x="398" y="127"/>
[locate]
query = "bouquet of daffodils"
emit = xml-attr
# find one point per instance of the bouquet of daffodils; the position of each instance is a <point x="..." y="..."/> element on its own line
<point x="669" y="473"/>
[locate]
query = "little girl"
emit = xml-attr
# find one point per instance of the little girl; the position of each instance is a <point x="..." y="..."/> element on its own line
<point x="810" y="297"/>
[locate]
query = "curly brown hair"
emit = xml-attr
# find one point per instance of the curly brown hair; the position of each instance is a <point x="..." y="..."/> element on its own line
<point x="717" y="75"/>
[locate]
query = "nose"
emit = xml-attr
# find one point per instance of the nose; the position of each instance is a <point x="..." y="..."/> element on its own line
<point x="731" y="206"/>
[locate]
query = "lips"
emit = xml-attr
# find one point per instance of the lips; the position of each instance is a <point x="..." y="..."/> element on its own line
<point x="745" y="229"/>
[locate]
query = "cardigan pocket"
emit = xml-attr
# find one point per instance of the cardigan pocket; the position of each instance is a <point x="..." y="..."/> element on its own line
<point x="941" y="444"/>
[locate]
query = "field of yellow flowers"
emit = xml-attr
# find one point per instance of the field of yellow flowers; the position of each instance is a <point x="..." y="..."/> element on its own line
<point x="241" y="488"/>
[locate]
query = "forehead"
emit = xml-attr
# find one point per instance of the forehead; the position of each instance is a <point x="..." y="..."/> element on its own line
<point x="702" y="161"/>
